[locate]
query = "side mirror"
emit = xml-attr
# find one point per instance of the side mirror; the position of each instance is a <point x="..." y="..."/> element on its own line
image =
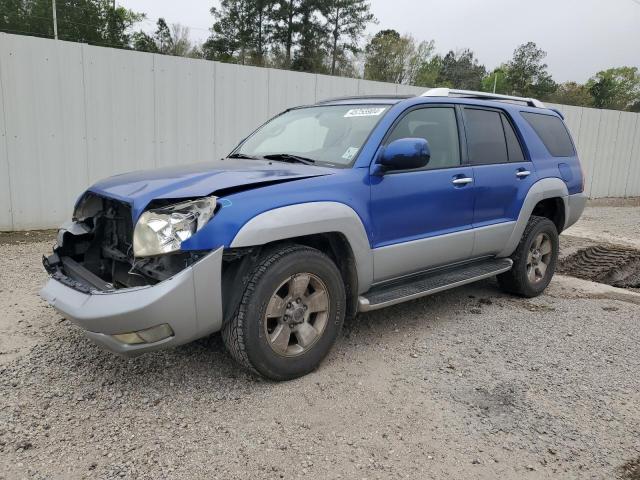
<point x="405" y="154"/>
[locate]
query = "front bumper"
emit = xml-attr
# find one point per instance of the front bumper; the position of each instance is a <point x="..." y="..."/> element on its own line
<point x="190" y="302"/>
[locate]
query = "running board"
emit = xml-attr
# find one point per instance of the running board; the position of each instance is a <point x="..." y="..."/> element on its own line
<point x="421" y="285"/>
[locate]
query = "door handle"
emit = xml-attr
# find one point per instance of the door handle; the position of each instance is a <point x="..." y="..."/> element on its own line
<point x="462" y="181"/>
<point x="523" y="173"/>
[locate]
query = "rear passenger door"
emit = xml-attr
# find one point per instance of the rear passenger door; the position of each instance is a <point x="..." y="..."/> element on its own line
<point x="502" y="174"/>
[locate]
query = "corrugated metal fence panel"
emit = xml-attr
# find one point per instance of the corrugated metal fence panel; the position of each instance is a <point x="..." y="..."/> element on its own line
<point x="286" y="90"/>
<point x="605" y="159"/>
<point x="46" y="145"/>
<point x="410" y="90"/>
<point x="633" y="176"/>
<point x="587" y="142"/>
<point x="241" y="103"/>
<point x="620" y="161"/>
<point x="331" y="87"/>
<point x="119" y="109"/>
<point x="6" y="222"/>
<point x="369" y="87"/>
<point x="184" y="110"/>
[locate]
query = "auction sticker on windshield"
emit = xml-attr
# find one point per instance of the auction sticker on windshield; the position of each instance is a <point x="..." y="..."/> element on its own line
<point x="364" y="112"/>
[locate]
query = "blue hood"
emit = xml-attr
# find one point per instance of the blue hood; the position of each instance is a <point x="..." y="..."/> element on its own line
<point x="198" y="180"/>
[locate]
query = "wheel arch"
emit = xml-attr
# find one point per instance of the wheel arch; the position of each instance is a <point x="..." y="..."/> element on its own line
<point x="332" y="227"/>
<point x="548" y="198"/>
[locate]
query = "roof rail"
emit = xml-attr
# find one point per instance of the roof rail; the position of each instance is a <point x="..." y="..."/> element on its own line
<point x="450" y="92"/>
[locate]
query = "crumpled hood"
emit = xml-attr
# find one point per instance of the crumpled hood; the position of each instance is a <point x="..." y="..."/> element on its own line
<point x="197" y="180"/>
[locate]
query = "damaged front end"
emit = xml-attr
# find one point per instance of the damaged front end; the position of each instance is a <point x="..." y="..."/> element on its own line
<point x="94" y="252"/>
<point x="130" y="304"/>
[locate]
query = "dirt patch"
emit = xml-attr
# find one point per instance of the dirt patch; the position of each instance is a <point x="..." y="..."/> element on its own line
<point x="615" y="202"/>
<point x="32" y="236"/>
<point x="611" y="264"/>
<point x="631" y="470"/>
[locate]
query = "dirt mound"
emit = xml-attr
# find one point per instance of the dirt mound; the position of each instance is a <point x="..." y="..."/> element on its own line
<point x="611" y="264"/>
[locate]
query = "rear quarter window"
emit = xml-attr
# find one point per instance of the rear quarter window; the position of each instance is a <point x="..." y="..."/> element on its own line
<point x="553" y="133"/>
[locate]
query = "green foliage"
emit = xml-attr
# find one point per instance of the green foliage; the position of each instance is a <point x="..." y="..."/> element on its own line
<point x="234" y="35"/>
<point x="390" y="57"/>
<point x="616" y="88"/>
<point x="347" y="21"/>
<point x="89" y="21"/>
<point x="499" y="79"/>
<point x="312" y="32"/>
<point x="167" y="40"/>
<point x="461" y="70"/>
<point x="527" y="74"/>
<point x="572" y="93"/>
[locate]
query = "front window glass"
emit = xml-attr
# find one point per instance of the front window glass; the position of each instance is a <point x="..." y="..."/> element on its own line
<point x="331" y="134"/>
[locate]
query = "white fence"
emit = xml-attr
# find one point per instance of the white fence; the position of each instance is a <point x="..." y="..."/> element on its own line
<point x="71" y="114"/>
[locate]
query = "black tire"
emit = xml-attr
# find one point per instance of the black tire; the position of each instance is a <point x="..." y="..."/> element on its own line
<point x="517" y="281"/>
<point x="245" y="335"/>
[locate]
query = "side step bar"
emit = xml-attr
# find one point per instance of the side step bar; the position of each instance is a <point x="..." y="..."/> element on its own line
<point x="428" y="283"/>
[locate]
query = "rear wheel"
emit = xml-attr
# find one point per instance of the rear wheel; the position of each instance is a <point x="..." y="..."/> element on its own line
<point x="290" y="314"/>
<point x="534" y="261"/>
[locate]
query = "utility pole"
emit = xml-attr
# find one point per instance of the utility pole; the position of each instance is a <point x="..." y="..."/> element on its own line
<point x="55" y="20"/>
<point x="495" y="82"/>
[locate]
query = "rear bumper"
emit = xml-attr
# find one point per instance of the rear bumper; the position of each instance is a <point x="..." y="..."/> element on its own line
<point x="574" y="207"/>
<point x="190" y="302"/>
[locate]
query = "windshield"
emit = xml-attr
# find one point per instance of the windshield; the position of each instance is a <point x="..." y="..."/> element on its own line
<point x="330" y="135"/>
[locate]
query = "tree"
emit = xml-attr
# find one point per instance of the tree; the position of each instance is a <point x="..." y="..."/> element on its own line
<point x="572" y="93"/>
<point x="498" y="79"/>
<point x="311" y="52"/>
<point x="232" y="33"/>
<point x="428" y="72"/>
<point x="90" y="21"/>
<point x="386" y="56"/>
<point x="287" y="23"/>
<point x="461" y="70"/>
<point x="390" y="57"/>
<point x="347" y="20"/>
<point x="616" y="88"/>
<point x="241" y="32"/>
<point x="527" y="74"/>
<point x="167" y="40"/>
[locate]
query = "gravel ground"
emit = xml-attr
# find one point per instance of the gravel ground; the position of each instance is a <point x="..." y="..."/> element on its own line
<point x="469" y="383"/>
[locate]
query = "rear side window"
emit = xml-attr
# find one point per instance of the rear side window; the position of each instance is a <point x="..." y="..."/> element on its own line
<point x="513" y="145"/>
<point x="485" y="137"/>
<point x="552" y="132"/>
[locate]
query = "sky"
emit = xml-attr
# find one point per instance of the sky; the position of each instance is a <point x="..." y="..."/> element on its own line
<point x="580" y="36"/>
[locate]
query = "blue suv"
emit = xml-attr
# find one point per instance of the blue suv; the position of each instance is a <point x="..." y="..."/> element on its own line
<point x="346" y="206"/>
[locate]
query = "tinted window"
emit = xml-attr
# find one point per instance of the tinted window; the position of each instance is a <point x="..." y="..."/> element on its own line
<point x="438" y="126"/>
<point x="552" y="132"/>
<point x="513" y="145"/>
<point x="485" y="137"/>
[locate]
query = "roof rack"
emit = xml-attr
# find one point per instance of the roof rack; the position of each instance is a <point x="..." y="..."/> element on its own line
<point x="450" y="92"/>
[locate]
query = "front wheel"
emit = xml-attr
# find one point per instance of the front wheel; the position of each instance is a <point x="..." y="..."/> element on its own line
<point x="290" y="314"/>
<point x="534" y="261"/>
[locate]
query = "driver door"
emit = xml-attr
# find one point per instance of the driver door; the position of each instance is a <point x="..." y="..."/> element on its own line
<point x="423" y="218"/>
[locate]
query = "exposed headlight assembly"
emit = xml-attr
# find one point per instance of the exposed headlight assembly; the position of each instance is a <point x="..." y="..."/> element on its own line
<point x="164" y="229"/>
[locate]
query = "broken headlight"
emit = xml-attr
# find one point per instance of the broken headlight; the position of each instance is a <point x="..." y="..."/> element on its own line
<point x="164" y="229"/>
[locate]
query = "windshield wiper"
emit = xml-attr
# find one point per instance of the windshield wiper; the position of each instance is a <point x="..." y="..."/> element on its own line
<point x="242" y="155"/>
<point x="287" y="157"/>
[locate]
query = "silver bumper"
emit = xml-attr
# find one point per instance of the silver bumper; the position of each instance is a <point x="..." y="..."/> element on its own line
<point x="190" y="302"/>
<point x="574" y="207"/>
